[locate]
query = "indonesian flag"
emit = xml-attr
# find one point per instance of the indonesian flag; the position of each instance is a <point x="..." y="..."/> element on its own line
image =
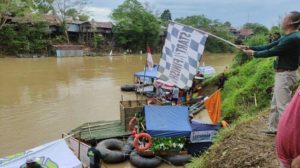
<point x="149" y="59"/>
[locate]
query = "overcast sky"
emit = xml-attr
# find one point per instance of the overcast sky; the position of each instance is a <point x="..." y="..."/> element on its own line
<point x="238" y="12"/>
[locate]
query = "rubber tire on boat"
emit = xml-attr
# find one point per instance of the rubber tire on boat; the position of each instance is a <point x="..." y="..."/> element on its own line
<point x="144" y="162"/>
<point x="112" y="150"/>
<point x="178" y="160"/>
<point x="128" y="88"/>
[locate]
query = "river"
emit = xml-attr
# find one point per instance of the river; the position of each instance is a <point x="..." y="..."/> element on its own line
<point x="41" y="98"/>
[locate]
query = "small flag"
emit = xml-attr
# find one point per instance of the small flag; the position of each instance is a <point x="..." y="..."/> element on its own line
<point x="149" y="59"/>
<point x="181" y="54"/>
<point x="213" y="106"/>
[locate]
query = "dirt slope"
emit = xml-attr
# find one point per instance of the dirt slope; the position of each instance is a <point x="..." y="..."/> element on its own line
<point x="245" y="147"/>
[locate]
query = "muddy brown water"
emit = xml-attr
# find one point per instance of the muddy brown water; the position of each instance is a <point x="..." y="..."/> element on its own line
<point x="41" y="98"/>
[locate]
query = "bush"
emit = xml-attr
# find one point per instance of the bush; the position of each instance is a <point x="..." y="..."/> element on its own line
<point x="245" y="84"/>
<point x="24" y="38"/>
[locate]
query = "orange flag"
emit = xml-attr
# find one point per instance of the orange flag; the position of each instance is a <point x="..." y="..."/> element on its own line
<point x="213" y="106"/>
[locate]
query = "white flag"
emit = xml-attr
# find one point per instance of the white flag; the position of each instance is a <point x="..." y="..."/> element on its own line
<point x="150" y="62"/>
<point x="181" y="54"/>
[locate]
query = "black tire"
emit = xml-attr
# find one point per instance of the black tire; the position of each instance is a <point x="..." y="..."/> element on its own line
<point x="112" y="150"/>
<point x="179" y="160"/>
<point x="128" y="88"/>
<point x="144" y="162"/>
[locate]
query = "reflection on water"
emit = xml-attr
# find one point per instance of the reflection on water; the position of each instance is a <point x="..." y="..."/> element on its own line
<point x="41" y="98"/>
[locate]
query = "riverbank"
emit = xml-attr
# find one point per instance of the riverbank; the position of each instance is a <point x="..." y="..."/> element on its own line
<point x="242" y="145"/>
<point x="245" y="99"/>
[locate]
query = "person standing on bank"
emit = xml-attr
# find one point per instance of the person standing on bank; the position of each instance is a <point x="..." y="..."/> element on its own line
<point x="94" y="155"/>
<point x="287" y="50"/>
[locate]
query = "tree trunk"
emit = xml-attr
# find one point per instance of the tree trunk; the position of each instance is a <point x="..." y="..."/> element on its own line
<point x="67" y="36"/>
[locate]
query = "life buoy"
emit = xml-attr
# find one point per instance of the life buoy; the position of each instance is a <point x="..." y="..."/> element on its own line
<point x="224" y="124"/>
<point x="142" y="147"/>
<point x="131" y="124"/>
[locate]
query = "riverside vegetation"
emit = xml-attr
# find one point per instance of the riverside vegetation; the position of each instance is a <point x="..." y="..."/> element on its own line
<point x="245" y="101"/>
<point x="136" y="25"/>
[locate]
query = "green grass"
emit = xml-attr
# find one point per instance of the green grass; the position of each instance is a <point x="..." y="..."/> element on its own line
<point x="245" y="84"/>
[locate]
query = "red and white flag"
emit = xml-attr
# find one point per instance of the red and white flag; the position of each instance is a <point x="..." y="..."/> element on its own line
<point x="149" y="59"/>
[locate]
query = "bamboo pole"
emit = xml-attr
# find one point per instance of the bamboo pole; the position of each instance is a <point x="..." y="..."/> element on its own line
<point x="217" y="37"/>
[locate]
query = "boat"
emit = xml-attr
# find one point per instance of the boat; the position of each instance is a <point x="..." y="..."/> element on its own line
<point x="143" y="81"/>
<point x="207" y="71"/>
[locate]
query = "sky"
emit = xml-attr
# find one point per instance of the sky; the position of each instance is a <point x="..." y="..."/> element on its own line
<point x="238" y="12"/>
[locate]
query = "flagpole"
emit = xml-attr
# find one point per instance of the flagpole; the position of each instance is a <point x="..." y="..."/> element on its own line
<point x="217" y="37"/>
<point x="145" y="73"/>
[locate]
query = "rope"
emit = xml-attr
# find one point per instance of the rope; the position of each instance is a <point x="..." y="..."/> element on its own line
<point x="217" y="37"/>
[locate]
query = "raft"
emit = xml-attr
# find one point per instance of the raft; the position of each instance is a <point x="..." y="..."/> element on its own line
<point x="100" y="130"/>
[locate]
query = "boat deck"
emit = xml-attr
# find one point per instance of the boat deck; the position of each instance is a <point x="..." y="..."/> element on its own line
<point x="100" y="130"/>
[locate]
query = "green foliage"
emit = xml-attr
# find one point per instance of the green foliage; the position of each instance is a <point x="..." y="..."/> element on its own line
<point x="242" y="58"/>
<point x="275" y="29"/>
<point x="98" y="39"/>
<point x="43" y="6"/>
<point x="58" y="40"/>
<point x="135" y="26"/>
<point x="72" y="12"/>
<point x="165" y="17"/>
<point x="257" y="28"/>
<point x="84" y="17"/>
<point x="167" y="144"/>
<point x="18" y="8"/>
<point x="23" y="38"/>
<point x="246" y="86"/>
<point x="212" y="26"/>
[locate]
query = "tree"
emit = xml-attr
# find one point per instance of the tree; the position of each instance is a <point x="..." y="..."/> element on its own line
<point x="42" y="6"/>
<point x="135" y="26"/>
<point x="166" y="16"/>
<point x="275" y="29"/>
<point x="228" y="24"/>
<point x="257" y="28"/>
<point x="16" y="8"/>
<point x="62" y="9"/>
<point x="212" y="26"/>
<point x="84" y="17"/>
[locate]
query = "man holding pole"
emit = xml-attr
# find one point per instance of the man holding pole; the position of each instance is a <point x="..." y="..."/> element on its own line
<point x="287" y="50"/>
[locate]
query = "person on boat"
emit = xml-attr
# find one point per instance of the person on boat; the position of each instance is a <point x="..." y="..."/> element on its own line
<point x="32" y="163"/>
<point x="287" y="50"/>
<point x="94" y="155"/>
